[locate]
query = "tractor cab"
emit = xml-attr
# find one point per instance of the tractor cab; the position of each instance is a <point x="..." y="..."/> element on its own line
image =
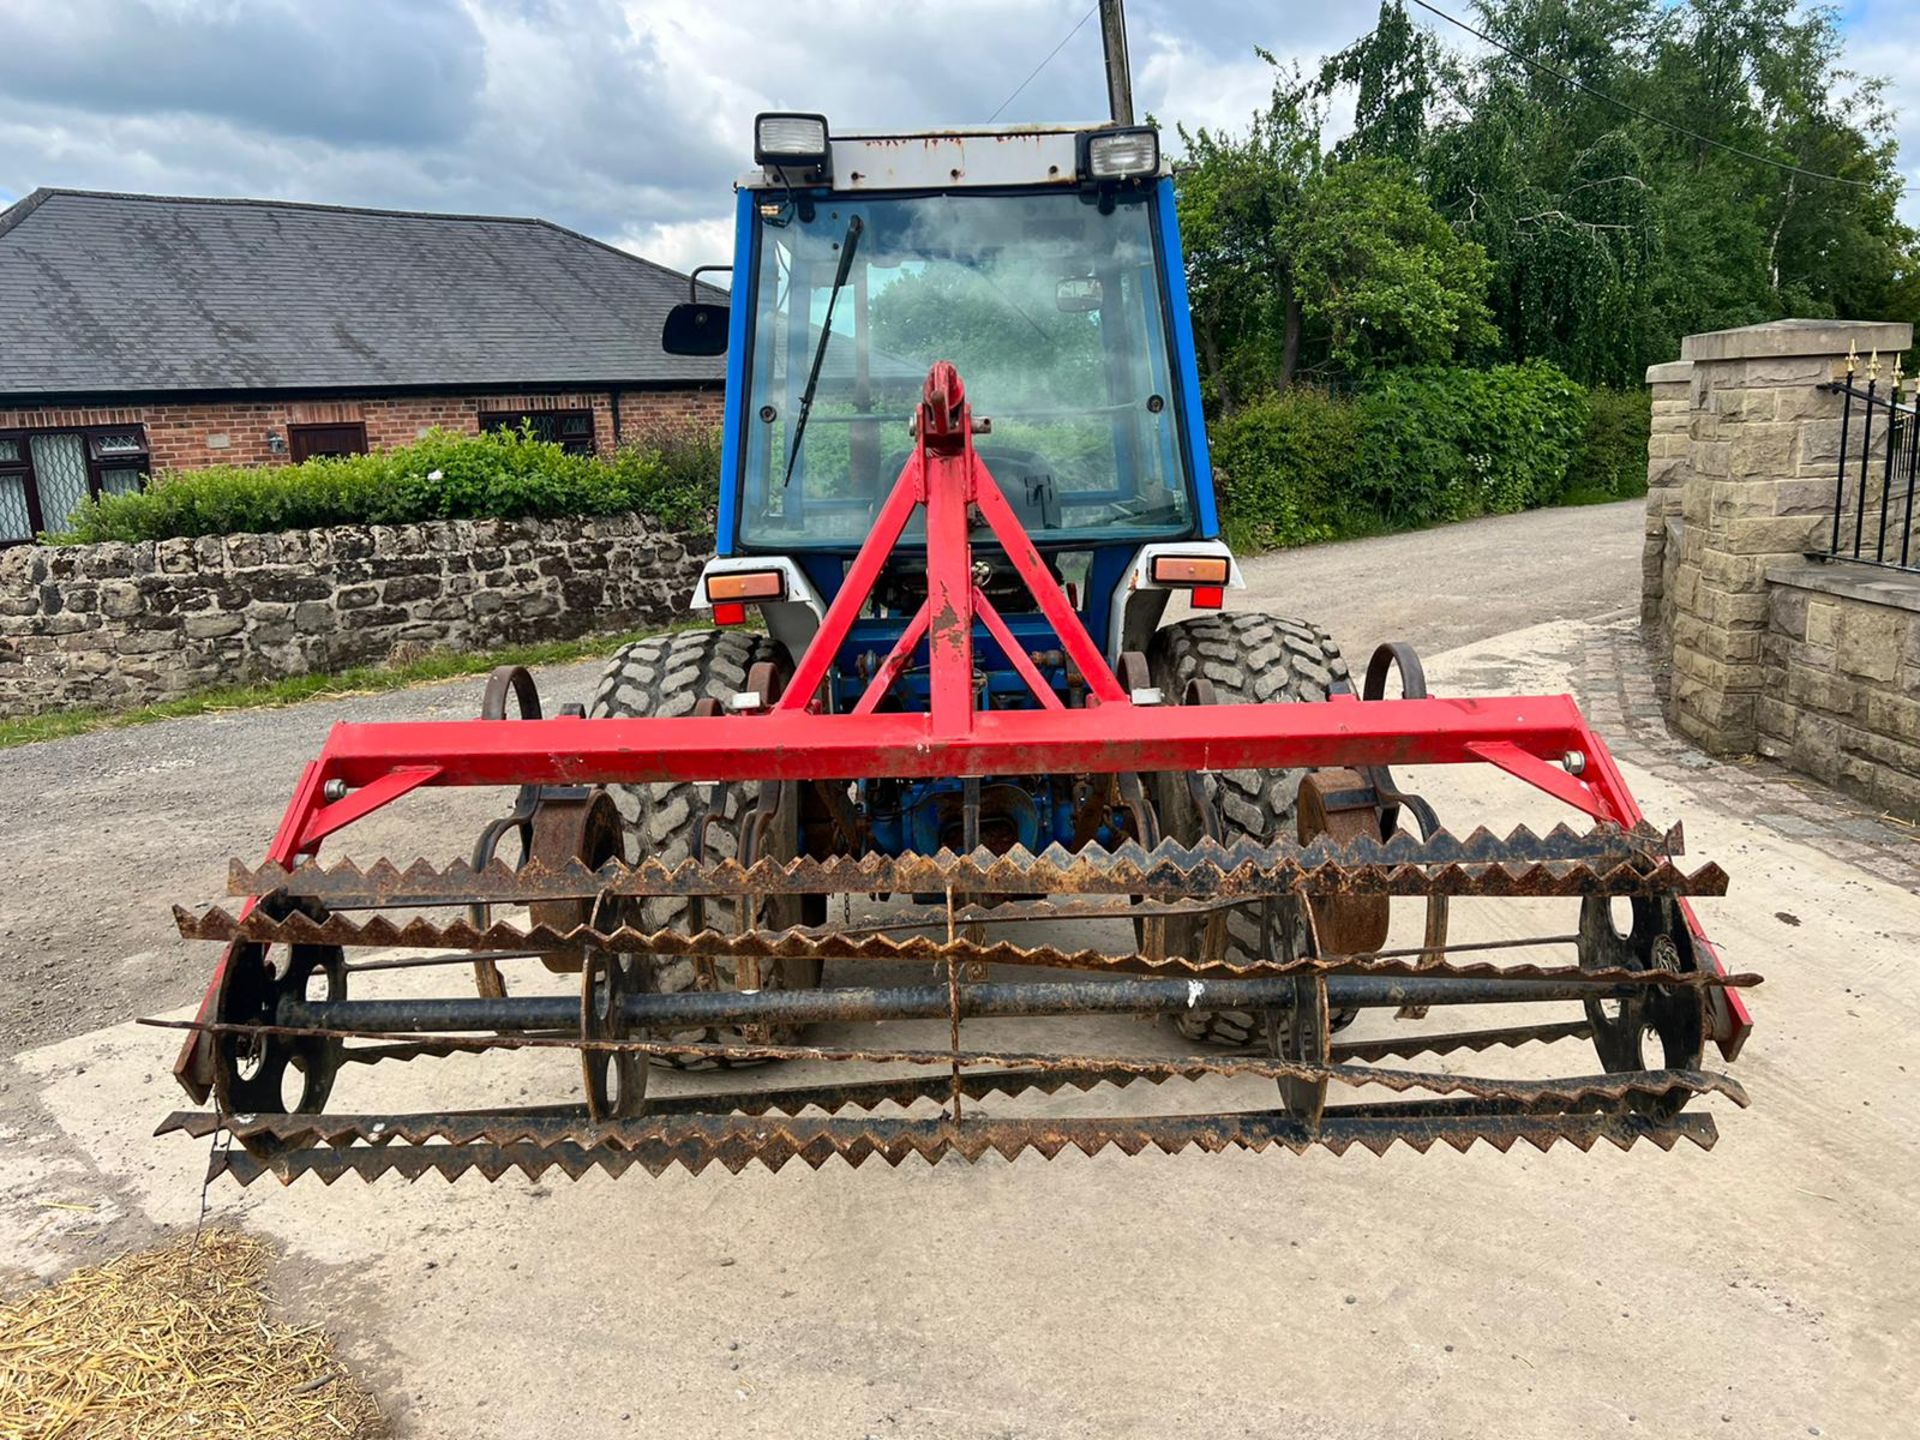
<point x="1044" y="264"/>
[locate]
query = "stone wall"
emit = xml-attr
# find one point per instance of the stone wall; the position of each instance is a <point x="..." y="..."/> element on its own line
<point x="118" y="625"/>
<point x="1669" y="447"/>
<point x="1842" y="695"/>
<point x="1817" y="664"/>
<point x="1756" y="491"/>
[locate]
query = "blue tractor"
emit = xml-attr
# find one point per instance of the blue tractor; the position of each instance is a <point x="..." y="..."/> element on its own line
<point x="1045" y="263"/>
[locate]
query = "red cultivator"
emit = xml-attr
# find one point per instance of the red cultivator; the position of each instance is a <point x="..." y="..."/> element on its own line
<point x="283" y="1013"/>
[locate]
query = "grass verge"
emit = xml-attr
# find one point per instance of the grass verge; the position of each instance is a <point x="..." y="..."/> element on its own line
<point x="360" y="680"/>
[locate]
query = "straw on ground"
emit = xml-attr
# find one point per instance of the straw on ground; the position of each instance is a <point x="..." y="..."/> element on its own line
<point x="173" y="1342"/>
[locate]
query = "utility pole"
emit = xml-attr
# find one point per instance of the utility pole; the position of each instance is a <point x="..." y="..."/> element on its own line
<point x="1113" y="35"/>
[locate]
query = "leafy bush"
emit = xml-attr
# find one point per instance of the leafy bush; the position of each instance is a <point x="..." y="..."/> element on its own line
<point x="1612" y="464"/>
<point x="1418" y="447"/>
<point x="440" y="477"/>
<point x="1281" y="467"/>
<point x="1448" y="444"/>
<point x="688" y="455"/>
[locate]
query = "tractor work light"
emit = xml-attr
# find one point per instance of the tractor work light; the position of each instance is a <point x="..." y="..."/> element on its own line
<point x="790" y="142"/>
<point x="1190" y="569"/>
<point x="739" y="585"/>
<point x="1129" y="154"/>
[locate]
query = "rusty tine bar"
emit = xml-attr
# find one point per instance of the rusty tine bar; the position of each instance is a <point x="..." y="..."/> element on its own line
<point x="695" y="1142"/>
<point x="422" y="962"/>
<point x="1578" y="1090"/>
<point x="1022" y="911"/>
<point x="1633" y="859"/>
<point x="953" y="1006"/>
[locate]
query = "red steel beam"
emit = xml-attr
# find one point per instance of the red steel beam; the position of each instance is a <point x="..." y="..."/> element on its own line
<point x="797" y="745"/>
<point x="946" y="457"/>
<point x="896" y="661"/>
<point x="888" y="526"/>
<point x="1016" y="654"/>
<point x="1052" y="601"/>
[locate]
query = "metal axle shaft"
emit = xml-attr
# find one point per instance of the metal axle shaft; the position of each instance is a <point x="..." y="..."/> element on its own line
<point x="923" y="1002"/>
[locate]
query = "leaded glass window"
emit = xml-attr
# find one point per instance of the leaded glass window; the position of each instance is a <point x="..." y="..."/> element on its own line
<point x="60" y="470"/>
<point x="114" y="444"/>
<point x="572" y="430"/>
<point x="16" y="522"/>
<point x="45" y="475"/>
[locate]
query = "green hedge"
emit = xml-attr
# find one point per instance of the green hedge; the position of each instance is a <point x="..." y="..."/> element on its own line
<point x="1612" y="464"/>
<point x="440" y="477"/>
<point x="1282" y="468"/>
<point x="1418" y="447"/>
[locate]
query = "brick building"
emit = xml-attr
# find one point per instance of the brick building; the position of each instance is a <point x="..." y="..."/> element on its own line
<point x="143" y="333"/>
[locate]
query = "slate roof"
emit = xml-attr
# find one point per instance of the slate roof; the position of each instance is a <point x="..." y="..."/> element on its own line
<point x="105" y="293"/>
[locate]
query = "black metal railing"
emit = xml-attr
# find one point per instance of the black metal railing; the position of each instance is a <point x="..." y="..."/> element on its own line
<point x="1873" y="500"/>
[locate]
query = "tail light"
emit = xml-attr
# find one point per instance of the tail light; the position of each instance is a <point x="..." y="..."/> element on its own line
<point x="742" y="585"/>
<point x="1187" y="570"/>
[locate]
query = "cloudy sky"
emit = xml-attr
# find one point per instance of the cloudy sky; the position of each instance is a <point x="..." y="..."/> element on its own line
<point x="627" y="119"/>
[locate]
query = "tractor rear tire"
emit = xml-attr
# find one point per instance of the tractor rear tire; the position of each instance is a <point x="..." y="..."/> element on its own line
<point x="667" y="675"/>
<point x="1250" y="659"/>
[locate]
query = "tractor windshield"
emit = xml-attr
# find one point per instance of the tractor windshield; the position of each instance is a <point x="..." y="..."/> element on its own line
<point x="1052" y="311"/>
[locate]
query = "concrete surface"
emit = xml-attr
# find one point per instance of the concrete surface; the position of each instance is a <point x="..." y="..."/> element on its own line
<point x="1768" y="1287"/>
<point x="1444" y="588"/>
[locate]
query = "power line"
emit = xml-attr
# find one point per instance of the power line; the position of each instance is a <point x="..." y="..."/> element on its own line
<point x="1044" y="63"/>
<point x="1580" y="84"/>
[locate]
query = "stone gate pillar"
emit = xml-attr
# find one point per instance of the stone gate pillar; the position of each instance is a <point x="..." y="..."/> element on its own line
<point x="1764" y="441"/>
<point x="1669" y="447"/>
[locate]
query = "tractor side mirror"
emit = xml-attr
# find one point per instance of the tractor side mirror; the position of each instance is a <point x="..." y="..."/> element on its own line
<point x="695" y="328"/>
<point x="1079" y="295"/>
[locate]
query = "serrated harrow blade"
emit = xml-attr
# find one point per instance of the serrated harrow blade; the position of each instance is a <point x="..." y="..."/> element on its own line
<point x="1607" y="860"/>
<point x="734" y="1142"/>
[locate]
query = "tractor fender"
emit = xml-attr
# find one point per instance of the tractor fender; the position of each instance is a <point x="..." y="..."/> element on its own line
<point x="791" y="621"/>
<point x="1138" y="590"/>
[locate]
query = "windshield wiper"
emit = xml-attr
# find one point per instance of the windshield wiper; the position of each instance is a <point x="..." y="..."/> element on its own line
<point x="847" y="246"/>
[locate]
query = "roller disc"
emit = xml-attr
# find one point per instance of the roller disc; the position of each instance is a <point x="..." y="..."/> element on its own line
<point x="251" y="1071"/>
<point x="1675" y="1019"/>
<point x="1302" y="1032"/>
<point x="615" y="1080"/>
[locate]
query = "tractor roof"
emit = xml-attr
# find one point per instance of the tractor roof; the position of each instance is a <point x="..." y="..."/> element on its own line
<point x="955" y="158"/>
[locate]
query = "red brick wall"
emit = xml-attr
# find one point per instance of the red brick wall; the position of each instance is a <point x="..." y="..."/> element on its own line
<point x="179" y="436"/>
<point x="648" y="412"/>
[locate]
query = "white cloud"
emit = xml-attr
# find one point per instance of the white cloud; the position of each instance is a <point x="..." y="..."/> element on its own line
<point x="627" y="119"/>
<point x="1882" y="50"/>
<point x="683" y="244"/>
<point x="1175" y="78"/>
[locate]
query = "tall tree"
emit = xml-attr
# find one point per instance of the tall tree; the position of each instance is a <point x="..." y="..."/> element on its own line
<point x="1633" y="170"/>
<point x="1301" y="259"/>
<point x="1233" y="197"/>
<point x="1382" y="273"/>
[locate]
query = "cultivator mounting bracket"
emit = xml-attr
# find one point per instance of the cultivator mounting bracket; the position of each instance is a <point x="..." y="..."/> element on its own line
<point x="1658" y="980"/>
